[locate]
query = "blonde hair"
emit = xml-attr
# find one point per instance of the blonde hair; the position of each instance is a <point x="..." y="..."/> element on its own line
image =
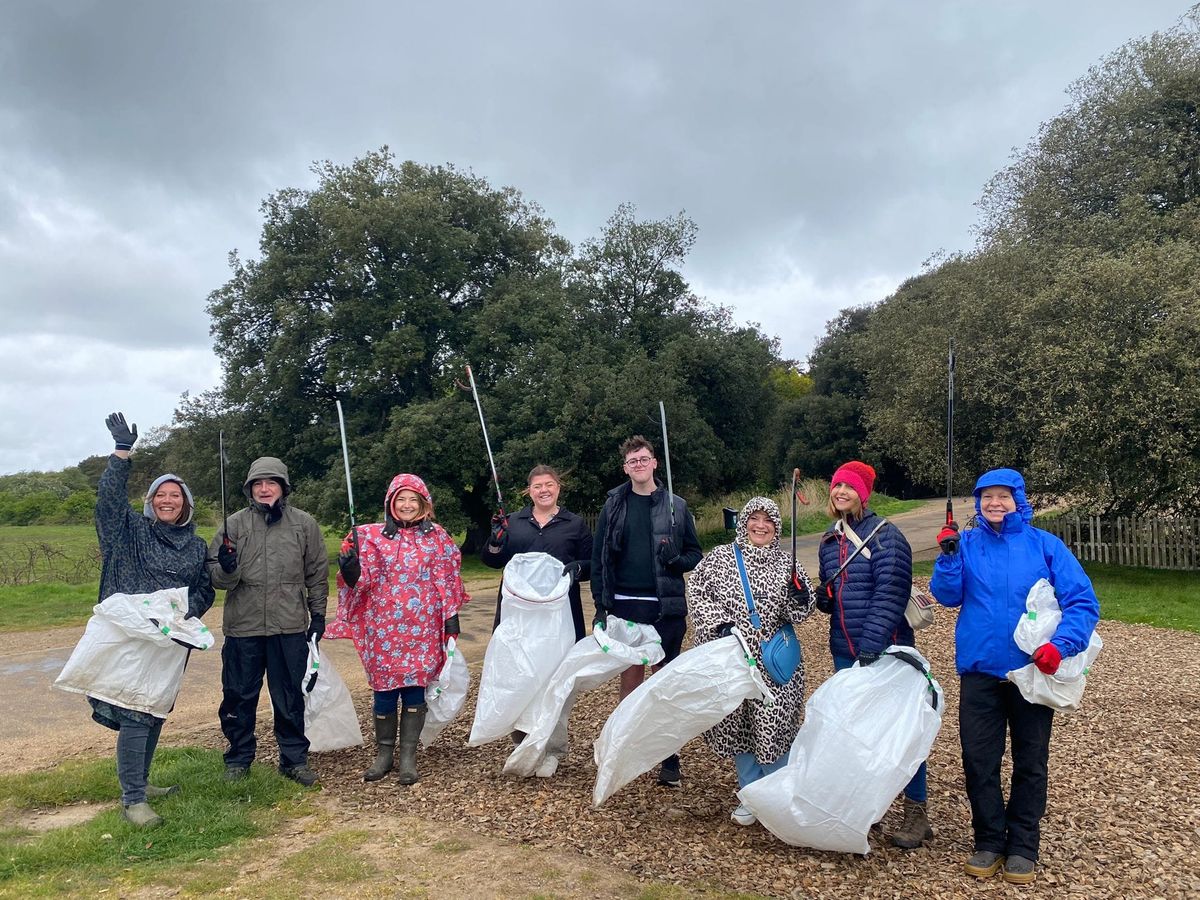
<point x="856" y="508"/>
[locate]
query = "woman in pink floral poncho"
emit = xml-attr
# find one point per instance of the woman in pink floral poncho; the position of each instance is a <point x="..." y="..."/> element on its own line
<point x="399" y="593"/>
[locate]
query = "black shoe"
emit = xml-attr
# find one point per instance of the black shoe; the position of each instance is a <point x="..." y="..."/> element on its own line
<point x="668" y="775"/>
<point x="235" y="773"/>
<point x="301" y="774"/>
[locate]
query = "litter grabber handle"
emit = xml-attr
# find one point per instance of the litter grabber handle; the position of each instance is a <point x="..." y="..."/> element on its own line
<point x="916" y="664"/>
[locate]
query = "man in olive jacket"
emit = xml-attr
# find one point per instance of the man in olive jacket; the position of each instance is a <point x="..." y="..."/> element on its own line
<point x="274" y="567"/>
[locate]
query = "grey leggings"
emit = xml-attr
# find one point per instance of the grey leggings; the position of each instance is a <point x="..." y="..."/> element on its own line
<point x="135" y="751"/>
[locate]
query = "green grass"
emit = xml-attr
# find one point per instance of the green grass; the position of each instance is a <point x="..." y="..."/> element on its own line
<point x="31" y="607"/>
<point x="1142" y="596"/>
<point x="107" y="852"/>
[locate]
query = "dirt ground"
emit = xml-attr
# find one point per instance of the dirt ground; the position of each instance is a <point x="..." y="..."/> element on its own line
<point x="1123" y="818"/>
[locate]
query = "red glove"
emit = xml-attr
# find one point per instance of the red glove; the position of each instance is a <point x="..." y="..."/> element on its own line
<point x="1047" y="658"/>
<point x="948" y="538"/>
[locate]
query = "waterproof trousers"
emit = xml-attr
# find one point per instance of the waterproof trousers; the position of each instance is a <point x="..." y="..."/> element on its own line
<point x="136" y="744"/>
<point x="283" y="658"/>
<point x="988" y="707"/>
<point x="916" y="790"/>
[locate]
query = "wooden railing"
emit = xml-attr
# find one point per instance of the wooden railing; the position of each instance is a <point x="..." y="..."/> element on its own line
<point x="1130" y="541"/>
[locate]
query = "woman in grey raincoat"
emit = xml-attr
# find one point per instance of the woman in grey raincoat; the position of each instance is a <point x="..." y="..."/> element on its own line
<point x="141" y="553"/>
<point x="756" y="736"/>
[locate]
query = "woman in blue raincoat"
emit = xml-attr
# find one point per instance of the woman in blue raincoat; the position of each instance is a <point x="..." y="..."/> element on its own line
<point x="988" y="573"/>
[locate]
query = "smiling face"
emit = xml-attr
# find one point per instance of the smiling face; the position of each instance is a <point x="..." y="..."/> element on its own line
<point x="266" y="491"/>
<point x="760" y="529"/>
<point x="406" y="506"/>
<point x="995" y="503"/>
<point x="845" y="500"/>
<point x="168" y="503"/>
<point x="640" y="466"/>
<point x="543" y="491"/>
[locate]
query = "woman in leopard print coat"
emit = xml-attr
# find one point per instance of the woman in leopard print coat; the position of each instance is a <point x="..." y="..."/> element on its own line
<point x="756" y="736"/>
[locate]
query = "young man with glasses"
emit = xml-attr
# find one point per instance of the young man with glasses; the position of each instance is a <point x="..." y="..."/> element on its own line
<point x="645" y="542"/>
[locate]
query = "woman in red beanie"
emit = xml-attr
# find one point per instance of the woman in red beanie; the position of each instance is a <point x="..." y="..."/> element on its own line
<point x="866" y="602"/>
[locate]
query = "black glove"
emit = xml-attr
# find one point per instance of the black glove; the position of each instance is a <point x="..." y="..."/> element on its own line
<point x="573" y="569"/>
<point x="600" y="619"/>
<point x="797" y="593"/>
<point x="227" y="558"/>
<point x="725" y="629"/>
<point x="948" y="538"/>
<point x="453" y="629"/>
<point x="825" y="598"/>
<point x="316" y="628"/>
<point x="668" y="553"/>
<point x="350" y="568"/>
<point x="123" y="434"/>
<point x="865" y="658"/>
<point x="499" y="536"/>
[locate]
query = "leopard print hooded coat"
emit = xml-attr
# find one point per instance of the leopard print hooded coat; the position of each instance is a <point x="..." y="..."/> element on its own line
<point x="715" y="597"/>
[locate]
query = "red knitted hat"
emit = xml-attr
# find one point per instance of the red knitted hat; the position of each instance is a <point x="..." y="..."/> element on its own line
<point x="859" y="476"/>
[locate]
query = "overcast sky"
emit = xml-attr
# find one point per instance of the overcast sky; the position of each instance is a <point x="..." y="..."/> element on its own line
<point x="825" y="150"/>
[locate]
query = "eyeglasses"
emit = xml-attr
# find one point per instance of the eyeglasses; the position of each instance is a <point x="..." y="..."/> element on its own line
<point x="638" y="462"/>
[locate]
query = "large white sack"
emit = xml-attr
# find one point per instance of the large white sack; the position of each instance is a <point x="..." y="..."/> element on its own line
<point x="445" y="698"/>
<point x="128" y="655"/>
<point x="330" y="722"/>
<point x="1063" y="690"/>
<point x="595" y="659"/>
<point x="535" y="633"/>
<point x="684" y="698"/>
<point x="865" y="733"/>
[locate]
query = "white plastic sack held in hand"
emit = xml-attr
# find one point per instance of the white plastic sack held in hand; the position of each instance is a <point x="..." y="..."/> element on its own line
<point x="445" y="698"/>
<point x="693" y="693"/>
<point x="330" y="722"/>
<point x="1063" y="690"/>
<point x="595" y="659"/>
<point x="535" y="633"/>
<point x="128" y="655"/>
<point x="865" y="733"/>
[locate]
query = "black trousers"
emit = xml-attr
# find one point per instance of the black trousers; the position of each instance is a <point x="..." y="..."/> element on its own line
<point x="987" y="708"/>
<point x="244" y="660"/>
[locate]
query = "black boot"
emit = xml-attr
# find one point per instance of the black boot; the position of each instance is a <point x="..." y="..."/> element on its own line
<point x="412" y="720"/>
<point x="385" y="746"/>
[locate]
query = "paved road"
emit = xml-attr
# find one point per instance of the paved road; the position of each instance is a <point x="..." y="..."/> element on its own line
<point x="40" y="723"/>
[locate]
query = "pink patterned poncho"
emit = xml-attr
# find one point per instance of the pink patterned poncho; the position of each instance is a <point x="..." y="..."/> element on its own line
<point x="411" y="584"/>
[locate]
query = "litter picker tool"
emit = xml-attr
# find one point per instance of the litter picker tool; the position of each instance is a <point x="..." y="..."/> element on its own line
<point x="797" y="498"/>
<point x="950" y="434"/>
<point x="662" y="414"/>
<point x="224" y="515"/>
<point x="346" y="461"/>
<point x="486" y="443"/>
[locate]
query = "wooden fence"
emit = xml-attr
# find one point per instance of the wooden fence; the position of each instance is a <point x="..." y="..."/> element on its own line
<point x="1129" y="541"/>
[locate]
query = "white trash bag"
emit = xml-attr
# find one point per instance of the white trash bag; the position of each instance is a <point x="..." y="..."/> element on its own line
<point x="866" y="732"/>
<point x="681" y="700"/>
<point x="330" y="722"/>
<point x="536" y="631"/>
<point x="445" y="698"/>
<point x="128" y="655"/>
<point x="594" y="660"/>
<point x="1063" y="690"/>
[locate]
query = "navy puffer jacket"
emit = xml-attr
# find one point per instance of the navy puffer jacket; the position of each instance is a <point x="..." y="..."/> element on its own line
<point x="871" y="594"/>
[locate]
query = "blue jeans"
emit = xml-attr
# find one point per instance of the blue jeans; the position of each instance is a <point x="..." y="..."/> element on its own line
<point x="749" y="769"/>
<point x="915" y="790"/>
<point x="386" y="702"/>
<point x="135" y="751"/>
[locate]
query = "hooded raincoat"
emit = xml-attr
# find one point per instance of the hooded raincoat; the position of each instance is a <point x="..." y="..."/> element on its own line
<point x="410" y="585"/>
<point x="990" y="577"/>
<point x="717" y="598"/>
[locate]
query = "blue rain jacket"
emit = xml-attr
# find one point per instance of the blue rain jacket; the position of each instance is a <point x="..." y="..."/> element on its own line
<point x="990" y="577"/>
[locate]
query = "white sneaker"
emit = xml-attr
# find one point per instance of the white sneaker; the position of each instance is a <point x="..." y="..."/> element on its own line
<point x="548" y="767"/>
<point x="743" y="816"/>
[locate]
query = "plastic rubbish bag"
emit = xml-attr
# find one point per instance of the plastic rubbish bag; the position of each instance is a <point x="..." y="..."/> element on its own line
<point x="330" y="722"/>
<point x="865" y="733"/>
<point x="1063" y="690"/>
<point x="681" y="700"/>
<point x="535" y="633"/>
<point x="595" y="659"/>
<point x="132" y="655"/>
<point x="445" y="698"/>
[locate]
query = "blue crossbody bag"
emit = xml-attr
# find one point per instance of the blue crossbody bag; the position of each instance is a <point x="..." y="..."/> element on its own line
<point x="780" y="654"/>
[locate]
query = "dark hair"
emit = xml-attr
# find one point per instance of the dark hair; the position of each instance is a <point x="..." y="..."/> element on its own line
<point x="637" y="442"/>
<point x="542" y="469"/>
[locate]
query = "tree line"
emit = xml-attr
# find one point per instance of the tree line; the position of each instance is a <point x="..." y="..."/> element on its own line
<point x="1075" y="319"/>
